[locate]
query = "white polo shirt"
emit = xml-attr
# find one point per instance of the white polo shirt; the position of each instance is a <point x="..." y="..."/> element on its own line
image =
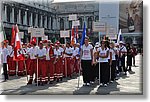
<point x="113" y="53"/>
<point x="75" y="52"/>
<point x="123" y="48"/>
<point x="61" y="49"/>
<point x="47" y="53"/>
<point x="103" y="52"/>
<point x="68" y="51"/>
<point x="32" y="52"/>
<point x="4" y="55"/>
<point x="86" y="52"/>
<point x="57" y="52"/>
<point x="41" y="52"/>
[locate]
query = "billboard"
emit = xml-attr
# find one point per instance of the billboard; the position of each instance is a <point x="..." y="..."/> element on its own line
<point x="130" y="16"/>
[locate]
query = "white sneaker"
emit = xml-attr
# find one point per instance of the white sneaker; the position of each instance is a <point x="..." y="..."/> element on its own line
<point x="88" y="84"/>
<point x="111" y="81"/>
<point x="84" y="84"/>
<point x="105" y="85"/>
<point x="91" y="82"/>
<point x="101" y="84"/>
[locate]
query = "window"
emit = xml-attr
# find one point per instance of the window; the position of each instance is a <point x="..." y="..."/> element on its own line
<point x="51" y="22"/>
<point x="80" y="20"/>
<point x="15" y="15"/>
<point x="61" y="24"/>
<point x="90" y="23"/>
<point x="70" y="24"/>
<point x="96" y="18"/>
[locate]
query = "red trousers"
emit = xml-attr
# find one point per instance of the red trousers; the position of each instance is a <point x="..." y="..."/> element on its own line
<point x="21" y="67"/>
<point x="11" y="66"/>
<point x="41" y="70"/>
<point x="32" y="68"/>
<point x="76" y="65"/>
<point x="50" y="69"/>
<point x="68" y="62"/>
<point x="64" y="67"/>
<point x="28" y="62"/>
<point x="57" y="69"/>
<point x="61" y="67"/>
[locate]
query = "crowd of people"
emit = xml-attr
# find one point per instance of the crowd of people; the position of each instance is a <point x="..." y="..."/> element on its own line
<point x="47" y="62"/>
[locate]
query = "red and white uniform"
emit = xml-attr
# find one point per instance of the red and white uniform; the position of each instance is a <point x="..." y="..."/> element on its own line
<point x="11" y="63"/>
<point x="76" y="59"/>
<point x="61" y="62"/>
<point x="21" y="64"/>
<point x="57" y="63"/>
<point x="32" y="52"/>
<point x="68" y="61"/>
<point x="41" y="65"/>
<point x="49" y="63"/>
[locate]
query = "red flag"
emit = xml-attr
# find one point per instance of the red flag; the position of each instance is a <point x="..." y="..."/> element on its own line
<point x="18" y="55"/>
<point x="13" y="36"/>
<point x="72" y="36"/>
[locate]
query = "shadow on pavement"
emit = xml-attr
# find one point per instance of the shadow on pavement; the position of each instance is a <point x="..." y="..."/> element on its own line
<point x="107" y="90"/>
<point x="84" y="90"/>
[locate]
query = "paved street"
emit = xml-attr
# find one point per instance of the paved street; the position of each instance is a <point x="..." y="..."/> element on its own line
<point x="130" y="84"/>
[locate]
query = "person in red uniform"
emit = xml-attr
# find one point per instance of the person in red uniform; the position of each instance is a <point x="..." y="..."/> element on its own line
<point x="11" y="63"/>
<point x="41" y="56"/>
<point x="68" y="54"/>
<point x="61" y="49"/>
<point x="76" y="58"/>
<point x="33" y="61"/>
<point x="49" y="62"/>
<point x="57" y="63"/>
<point x="21" y="63"/>
<point x="28" y="60"/>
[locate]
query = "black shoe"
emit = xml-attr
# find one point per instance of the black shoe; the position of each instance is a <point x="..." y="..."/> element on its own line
<point x="61" y="79"/>
<point x="57" y="80"/>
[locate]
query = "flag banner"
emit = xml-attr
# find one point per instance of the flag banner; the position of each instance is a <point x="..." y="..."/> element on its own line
<point x="18" y="52"/>
<point x="83" y="35"/>
<point x="72" y="36"/>
<point x="119" y="37"/>
<point x="13" y="36"/>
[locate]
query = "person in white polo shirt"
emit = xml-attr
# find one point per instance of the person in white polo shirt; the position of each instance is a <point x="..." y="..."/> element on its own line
<point x="4" y="54"/>
<point x="103" y="53"/>
<point x="86" y="61"/>
<point x="112" y="61"/>
<point x="122" y="54"/>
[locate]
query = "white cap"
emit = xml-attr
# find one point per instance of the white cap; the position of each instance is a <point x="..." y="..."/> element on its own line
<point x="97" y="44"/>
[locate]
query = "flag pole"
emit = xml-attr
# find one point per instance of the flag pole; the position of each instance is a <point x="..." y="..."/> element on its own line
<point x="16" y="68"/>
<point x="37" y="65"/>
<point x="99" y="63"/>
<point x="26" y="69"/>
<point x="79" y="73"/>
<point x="65" y="60"/>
